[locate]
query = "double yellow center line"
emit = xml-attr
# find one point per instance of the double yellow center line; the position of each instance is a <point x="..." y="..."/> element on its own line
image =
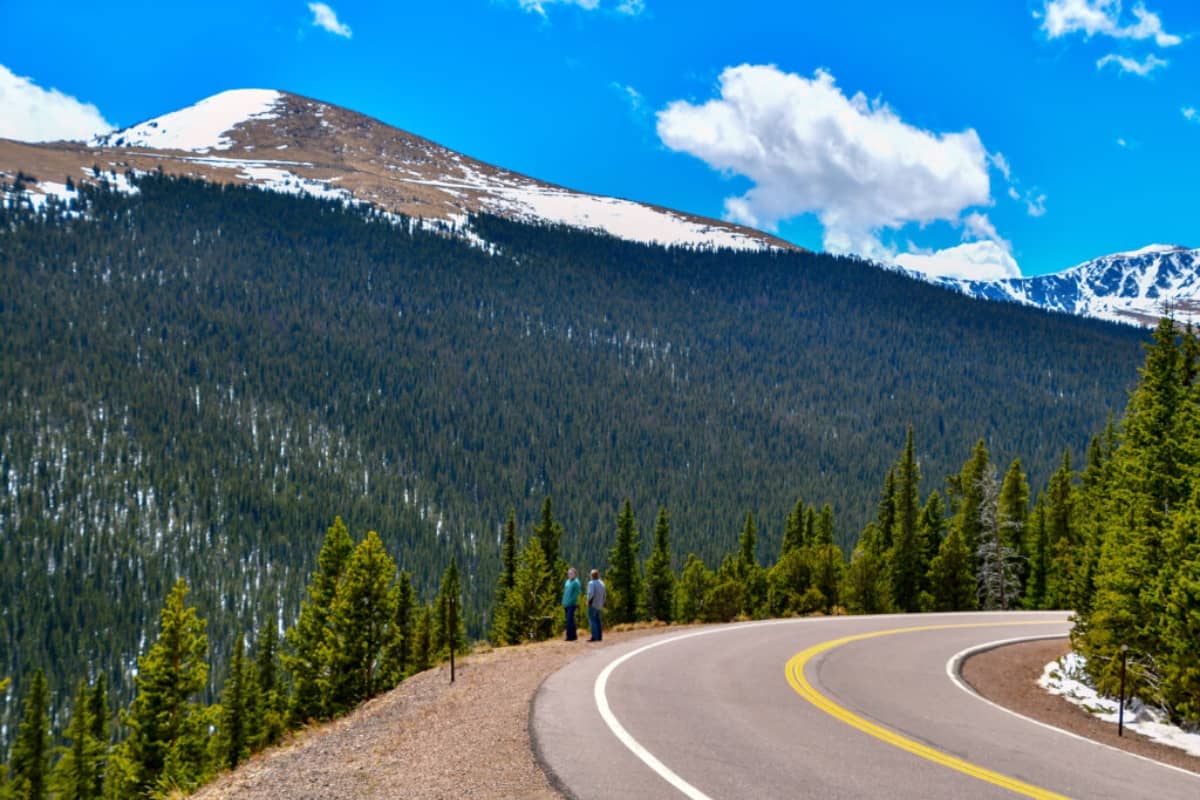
<point x="795" y="676"/>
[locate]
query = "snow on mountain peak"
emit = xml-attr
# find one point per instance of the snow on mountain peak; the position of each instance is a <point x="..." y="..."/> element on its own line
<point x="1149" y="249"/>
<point x="1134" y="287"/>
<point x="199" y="128"/>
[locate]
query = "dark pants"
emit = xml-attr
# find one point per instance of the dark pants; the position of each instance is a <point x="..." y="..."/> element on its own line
<point x="594" y="624"/>
<point x="571" y="634"/>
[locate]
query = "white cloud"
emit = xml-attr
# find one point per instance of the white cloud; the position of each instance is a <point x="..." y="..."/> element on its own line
<point x="987" y="257"/>
<point x="30" y="113"/>
<point x="1132" y="65"/>
<point x="632" y="97"/>
<point x="1190" y="114"/>
<point x="983" y="261"/>
<point x="1103" y="18"/>
<point x="539" y="6"/>
<point x="631" y="8"/>
<point x="326" y="18"/>
<point x="808" y="148"/>
<point x="1035" y="203"/>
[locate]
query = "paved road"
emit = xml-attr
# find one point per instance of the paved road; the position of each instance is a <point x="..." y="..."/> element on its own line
<point x="722" y="712"/>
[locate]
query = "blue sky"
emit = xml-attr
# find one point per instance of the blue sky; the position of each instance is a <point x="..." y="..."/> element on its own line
<point x="985" y="138"/>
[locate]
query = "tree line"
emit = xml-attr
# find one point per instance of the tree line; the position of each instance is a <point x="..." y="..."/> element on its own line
<point x="1118" y="542"/>
<point x="360" y="631"/>
<point x="194" y="379"/>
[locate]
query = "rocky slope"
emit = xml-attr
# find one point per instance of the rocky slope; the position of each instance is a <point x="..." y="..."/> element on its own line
<point x="289" y="143"/>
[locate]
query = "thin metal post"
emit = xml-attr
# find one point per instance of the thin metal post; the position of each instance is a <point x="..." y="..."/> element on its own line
<point x="1121" y="707"/>
<point x="452" y="624"/>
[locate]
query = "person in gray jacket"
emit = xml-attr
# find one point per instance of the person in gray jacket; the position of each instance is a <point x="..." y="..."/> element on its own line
<point x="596" y="595"/>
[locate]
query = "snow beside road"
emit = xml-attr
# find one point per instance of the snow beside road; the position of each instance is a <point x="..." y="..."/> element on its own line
<point x="1066" y="677"/>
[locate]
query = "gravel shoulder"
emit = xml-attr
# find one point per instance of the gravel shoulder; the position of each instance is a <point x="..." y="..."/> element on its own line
<point x="430" y="738"/>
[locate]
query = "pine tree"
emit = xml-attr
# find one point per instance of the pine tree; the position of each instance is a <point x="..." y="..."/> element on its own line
<point x="660" y="578"/>
<point x="788" y="581"/>
<point x="358" y="627"/>
<point x="398" y="652"/>
<point x="695" y="582"/>
<point x="750" y="574"/>
<point x="1062" y="540"/>
<point x="885" y="517"/>
<point x="931" y="531"/>
<point x="422" y="652"/>
<point x="827" y="565"/>
<point x="74" y="776"/>
<point x="966" y="496"/>
<point x="1012" y="517"/>
<point x="307" y="637"/>
<point x="531" y="604"/>
<point x="99" y="717"/>
<point x="1151" y="473"/>
<point x="549" y="534"/>
<point x="508" y="555"/>
<point x="449" y="629"/>
<point x="30" y="760"/>
<point x="727" y="597"/>
<point x="866" y="588"/>
<point x="952" y="576"/>
<point x="999" y="581"/>
<point x="624" y="570"/>
<point x="906" y="557"/>
<point x="1039" y="557"/>
<point x="268" y="728"/>
<point x="1180" y="621"/>
<point x="235" y="716"/>
<point x="820" y="528"/>
<point x="167" y="728"/>
<point x="793" y="530"/>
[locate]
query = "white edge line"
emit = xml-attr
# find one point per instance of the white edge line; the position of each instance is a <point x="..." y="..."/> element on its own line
<point x="634" y="746"/>
<point x="953" y="670"/>
<point x="661" y="769"/>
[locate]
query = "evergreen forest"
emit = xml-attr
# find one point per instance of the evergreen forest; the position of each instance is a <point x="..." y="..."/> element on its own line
<point x="196" y="379"/>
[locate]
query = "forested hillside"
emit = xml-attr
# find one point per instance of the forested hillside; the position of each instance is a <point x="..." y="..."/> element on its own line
<point x="194" y="380"/>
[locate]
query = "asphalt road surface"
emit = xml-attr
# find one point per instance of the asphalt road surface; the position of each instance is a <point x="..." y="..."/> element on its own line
<point x="837" y="707"/>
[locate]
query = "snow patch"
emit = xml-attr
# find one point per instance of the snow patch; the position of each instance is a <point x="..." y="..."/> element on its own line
<point x="281" y="180"/>
<point x="199" y="128"/>
<point x="511" y="195"/>
<point x="1067" y="678"/>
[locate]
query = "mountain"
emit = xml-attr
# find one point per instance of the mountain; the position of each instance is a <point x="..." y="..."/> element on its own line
<point x="1137" y="287"/>
<point x="198" y="373"/>
<point x="292" y="144"/>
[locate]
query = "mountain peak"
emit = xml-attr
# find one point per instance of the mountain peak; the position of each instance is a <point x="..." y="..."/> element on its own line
<point x="288" y="143"/>
<point x="199" y="128"/>
<point x="1150" y="249"/>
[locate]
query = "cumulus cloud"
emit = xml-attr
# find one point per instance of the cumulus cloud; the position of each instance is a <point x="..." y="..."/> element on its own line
<point x="1190" y="114"/>
<point x="808" y="148"/>
<point x="979" y="261"/>
<point x="326" y="18"/>
<point x="30" y="113"/>
<point x="1103" y="18"/>
<point x="1132" y="65"/>
<point x="984" y="256"/>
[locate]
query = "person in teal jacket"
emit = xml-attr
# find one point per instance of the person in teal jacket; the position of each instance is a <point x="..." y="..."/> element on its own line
<point x="570" y="600"/>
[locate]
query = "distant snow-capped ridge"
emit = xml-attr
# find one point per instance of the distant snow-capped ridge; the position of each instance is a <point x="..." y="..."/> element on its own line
<point x="1139" y="286"/>
<point x="334" y="152"/>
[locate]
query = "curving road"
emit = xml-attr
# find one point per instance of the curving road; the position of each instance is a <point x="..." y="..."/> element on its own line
<point x="837" y="707"/>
